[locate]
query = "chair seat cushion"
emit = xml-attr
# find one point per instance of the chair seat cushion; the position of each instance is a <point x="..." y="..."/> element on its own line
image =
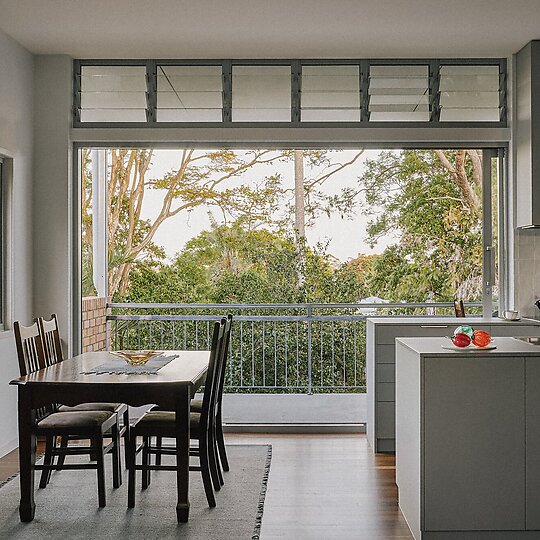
<point x="166" y="420"/>
<point x="74" y="420"/>
<point x="196" y="405"/>
<point x="111" y="407"/>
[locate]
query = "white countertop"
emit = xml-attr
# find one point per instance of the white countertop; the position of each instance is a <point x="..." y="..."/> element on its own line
<point x="432" y="346"/>
<point x="452" y="320"/>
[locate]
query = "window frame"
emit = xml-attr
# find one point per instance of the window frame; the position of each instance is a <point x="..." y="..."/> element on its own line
<point x="488" y="268"/>
<point x="296" y="92"/>
<point x="3" y="243"/>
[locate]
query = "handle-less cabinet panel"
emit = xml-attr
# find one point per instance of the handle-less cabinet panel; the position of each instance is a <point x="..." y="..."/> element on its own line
<point x="532" y="427"/>
<point x="380" y="359"/>
<point x="527" y="135"/>
<point x="473" y="474"/>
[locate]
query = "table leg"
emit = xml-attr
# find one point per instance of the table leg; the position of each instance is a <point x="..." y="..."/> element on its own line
<point x="27" y="455"/>
<point x="182" y="455"/>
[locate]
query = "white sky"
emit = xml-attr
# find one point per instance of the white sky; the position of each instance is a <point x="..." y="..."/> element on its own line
<point x="346" y="238"/>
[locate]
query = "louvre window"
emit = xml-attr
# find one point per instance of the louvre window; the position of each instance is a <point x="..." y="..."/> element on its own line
<point x="426" y="92"/>
<point x="399" y="93"/>
<point x="189" y="94"/>
<point x="469" y="93"/>
<point x="330" y="94"/>
<point x="261" y="94"/>
<point x="113" y="94"/>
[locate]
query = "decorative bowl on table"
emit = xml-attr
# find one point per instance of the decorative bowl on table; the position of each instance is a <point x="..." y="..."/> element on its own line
<point x="136" y="358"/>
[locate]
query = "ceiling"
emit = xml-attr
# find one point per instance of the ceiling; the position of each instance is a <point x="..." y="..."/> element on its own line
<point x="272" y="28"/>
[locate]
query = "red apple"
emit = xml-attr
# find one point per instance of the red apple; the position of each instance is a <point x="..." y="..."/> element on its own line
<point x="461" y="340"/>
<point x="481" y="338"/>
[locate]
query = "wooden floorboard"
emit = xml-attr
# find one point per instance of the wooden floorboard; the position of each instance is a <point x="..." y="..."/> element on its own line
<point x="320" y="487"/>
<point x="328" y="487"/>
<point x="9" y="464"/>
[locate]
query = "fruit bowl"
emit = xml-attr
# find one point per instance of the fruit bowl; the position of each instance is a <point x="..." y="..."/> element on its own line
<point x="466" y="336"/>
<point x="136" y="358"/>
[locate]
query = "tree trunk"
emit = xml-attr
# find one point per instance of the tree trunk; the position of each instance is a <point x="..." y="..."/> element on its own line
<point x="459" y="172"/>
<point x="300" y="216"/>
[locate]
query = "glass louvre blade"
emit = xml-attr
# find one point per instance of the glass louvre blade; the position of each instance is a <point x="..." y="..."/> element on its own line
<point x="113" y="94"/>
<point x="470" y="115"/>
<point x="261" y="94"/>
<point x="399" y="93"/>
<point x="113" y="100"/>
<point x="330" y="93"/>
<point x="469" y="93"/>
<point x="113" y="115"/>
<point x="389" y="91"/>
<point x="189" y="94"/>
<point x="399" y="116"/>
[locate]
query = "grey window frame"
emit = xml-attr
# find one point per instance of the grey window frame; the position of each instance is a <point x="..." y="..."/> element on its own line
<point x="3" y="254"/>
<point x="296" y="92"/>
<point x="488" y="269"/>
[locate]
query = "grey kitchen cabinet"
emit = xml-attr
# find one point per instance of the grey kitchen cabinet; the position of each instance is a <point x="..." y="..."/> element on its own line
<point x="532" y="430"/>
<point x="467" y="440"/>
<point x="474" y="474"/>
<point x="381" y="333"/>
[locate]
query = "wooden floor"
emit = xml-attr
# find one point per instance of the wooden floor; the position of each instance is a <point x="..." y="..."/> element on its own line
<point x="9" y="464"/>
<point x="328" y="487"/>
<point x="321" y="487"/>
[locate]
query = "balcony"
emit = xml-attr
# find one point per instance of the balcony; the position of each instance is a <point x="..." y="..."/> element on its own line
<point x="290" y="367"/>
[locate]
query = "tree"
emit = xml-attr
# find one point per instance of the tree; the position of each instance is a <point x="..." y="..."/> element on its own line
<point x="195" y="182"/>
<point x="429" y="200"/>
<point x="310" y="201"/>
<point x="299" y="215"/>
<point x="201" y="179"/>
<point x="229" y="264"/>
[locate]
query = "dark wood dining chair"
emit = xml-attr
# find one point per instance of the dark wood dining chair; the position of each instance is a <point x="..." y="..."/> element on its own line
<point x="49" y="423"/>
<point x="197" y="404"/>
<point x="52" y="348"/>
<point x="162" y="424"/>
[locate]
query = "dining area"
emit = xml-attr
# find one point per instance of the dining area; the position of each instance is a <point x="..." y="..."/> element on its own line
<point x="80" y="408"/>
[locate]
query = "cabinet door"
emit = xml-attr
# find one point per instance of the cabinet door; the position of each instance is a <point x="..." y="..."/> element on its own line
<point x="532" y="453"/>
<point x="514" y="330"/>
<point x="474" y="432"/>
<point x="388" y="333"/>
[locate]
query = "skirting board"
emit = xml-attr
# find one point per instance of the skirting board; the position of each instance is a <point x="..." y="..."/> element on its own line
<point x="294" y="428"/>
<point x="479" y="535"/>
<point x="6" y="448"/>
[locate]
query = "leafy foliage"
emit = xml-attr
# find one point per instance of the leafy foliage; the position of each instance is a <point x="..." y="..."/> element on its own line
<point x="435" y="220"/>
<point x="426" y="201"/>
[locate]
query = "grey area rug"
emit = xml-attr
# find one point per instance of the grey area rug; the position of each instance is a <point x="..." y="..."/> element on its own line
<point x="68" y="509"/>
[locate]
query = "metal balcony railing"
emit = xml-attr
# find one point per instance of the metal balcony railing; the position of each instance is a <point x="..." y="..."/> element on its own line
<point x="275" y="348"/>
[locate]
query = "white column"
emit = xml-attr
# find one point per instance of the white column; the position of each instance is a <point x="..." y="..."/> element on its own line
<point x="99" y="220"/>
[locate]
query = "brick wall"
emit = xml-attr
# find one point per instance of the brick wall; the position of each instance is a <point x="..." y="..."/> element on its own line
<point x="94" y="323"/>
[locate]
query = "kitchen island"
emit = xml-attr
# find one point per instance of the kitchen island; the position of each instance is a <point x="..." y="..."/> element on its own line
<point x="468" y="439"/>
<point x="381" y="333"/>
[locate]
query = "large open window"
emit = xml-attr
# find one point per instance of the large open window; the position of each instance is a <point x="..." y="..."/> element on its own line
<point x="301" y="245"/>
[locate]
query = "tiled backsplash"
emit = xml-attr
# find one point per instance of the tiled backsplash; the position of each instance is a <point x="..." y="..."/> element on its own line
<point x="527" y="271"/>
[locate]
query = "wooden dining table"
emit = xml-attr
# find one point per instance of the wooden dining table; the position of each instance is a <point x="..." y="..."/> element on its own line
<point x="68" y="383"/>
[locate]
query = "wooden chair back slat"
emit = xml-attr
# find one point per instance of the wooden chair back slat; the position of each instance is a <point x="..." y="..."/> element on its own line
<point x="214" y="369"/>
<point x="29" y="348"/>
<point x="31" y="356"/>
<point x="226" y="342"/>
<point x="50" y="335"/>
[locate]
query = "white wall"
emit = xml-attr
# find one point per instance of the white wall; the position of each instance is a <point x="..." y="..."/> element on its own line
<point x="52" y="172"/>
<point x="16" y="140"/>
